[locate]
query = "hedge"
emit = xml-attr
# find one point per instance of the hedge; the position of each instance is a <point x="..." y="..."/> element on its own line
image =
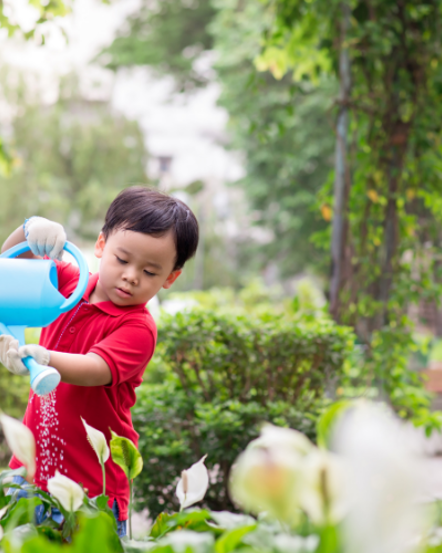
<point x="214" y="380"/>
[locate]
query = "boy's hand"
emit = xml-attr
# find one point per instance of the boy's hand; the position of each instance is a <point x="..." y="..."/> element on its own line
<point x="9" y="356"/>
<point x="45" y="237"/>
<point x="39" y="353"/>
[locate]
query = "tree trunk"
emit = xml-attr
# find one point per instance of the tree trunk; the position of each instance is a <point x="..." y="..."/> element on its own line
<point x="342" y="184"/>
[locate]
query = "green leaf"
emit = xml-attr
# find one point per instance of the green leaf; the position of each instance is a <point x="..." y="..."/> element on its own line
<point x="22" y="512"/>
<point x="126" y="455"/>
<point x="327" y="421"/>
<point x="229" y="540"/>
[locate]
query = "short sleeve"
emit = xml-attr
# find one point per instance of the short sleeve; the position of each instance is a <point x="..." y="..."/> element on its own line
<point x="127" y="351"/>
<point x="67" y="274"/>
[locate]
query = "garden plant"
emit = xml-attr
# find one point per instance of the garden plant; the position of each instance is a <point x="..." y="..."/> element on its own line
<point x="295" y="497"/>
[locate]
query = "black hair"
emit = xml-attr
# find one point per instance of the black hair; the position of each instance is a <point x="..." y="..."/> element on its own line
<point x="150" y="211"/>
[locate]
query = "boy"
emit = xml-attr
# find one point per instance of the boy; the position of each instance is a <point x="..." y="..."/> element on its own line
<point x="102" y="346"/>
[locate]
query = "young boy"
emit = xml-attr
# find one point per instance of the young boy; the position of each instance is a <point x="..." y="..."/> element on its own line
<point x="102" y="346"/>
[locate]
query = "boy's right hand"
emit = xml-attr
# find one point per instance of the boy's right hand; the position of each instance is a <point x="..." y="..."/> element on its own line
<point x="9" y="356"/>
<point x="45" y="237"/>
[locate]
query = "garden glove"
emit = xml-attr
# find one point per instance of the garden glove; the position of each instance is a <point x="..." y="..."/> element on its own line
<point x="39" y="353"/>
<point x="9" y="356"/>
<point x="45" y="237"/>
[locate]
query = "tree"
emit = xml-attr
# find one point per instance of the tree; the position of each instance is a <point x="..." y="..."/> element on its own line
<point x="46" y="11"/>
<point x="169" y="36"/>
<point x="281" y="128"/>
<point x="395" y="136"/>
<point x="71" y="159"/>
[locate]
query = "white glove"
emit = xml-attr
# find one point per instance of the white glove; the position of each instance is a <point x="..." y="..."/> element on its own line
<point x="45" y="237"/>
<point x="39" y="353"/>
<point x="9" y="356"/>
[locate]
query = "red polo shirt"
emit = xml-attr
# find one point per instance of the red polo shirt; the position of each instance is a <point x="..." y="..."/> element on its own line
<point x="125" y="338"/>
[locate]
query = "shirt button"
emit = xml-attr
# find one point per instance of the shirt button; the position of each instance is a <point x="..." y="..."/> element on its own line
<point x="72" y="329"/>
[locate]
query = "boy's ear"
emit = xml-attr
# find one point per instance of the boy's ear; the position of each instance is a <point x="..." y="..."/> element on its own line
<point x="172" y="278"/>
<point x="99" y="246"/>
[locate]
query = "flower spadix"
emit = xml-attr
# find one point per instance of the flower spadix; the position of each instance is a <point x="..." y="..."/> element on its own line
<point x="322" y="494"/>
<point x="193" y="484"/>
<point x="268" y="475"/>
<point x="68" y="492"/>
<point x="21" y="441"/>
<point x="98" y="442"/>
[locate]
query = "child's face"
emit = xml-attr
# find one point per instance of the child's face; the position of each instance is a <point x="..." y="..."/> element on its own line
<point x="134" y="266"/>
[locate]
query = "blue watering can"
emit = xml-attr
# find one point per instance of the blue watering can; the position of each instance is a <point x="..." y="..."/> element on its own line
<point x="29" y="297"/>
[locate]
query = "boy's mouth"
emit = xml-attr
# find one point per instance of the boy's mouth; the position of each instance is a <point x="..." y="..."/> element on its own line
<point x="123" y="293"/>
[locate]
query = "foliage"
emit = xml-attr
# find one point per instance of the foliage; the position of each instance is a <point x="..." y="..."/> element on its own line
<point x="45" y="11"/>
<point x="213" y="381"/>
<point x="392" y="242"/>
<point x="281" y="129"/>
<point x="204" y="531"/>
<point x="71" y="159"/>
<point x="284" y="131"/>
<point x="169" y="37"/>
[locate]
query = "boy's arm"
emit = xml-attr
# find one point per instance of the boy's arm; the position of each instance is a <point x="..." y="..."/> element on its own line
<point x="15" y="238"/>
<point x="81" y="370"/>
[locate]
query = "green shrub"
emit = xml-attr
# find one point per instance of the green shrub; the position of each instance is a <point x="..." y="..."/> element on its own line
<point x="214" y="379"/>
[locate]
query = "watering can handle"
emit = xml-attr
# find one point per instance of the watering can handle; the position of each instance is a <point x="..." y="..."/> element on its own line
<point x="76" y="296"/>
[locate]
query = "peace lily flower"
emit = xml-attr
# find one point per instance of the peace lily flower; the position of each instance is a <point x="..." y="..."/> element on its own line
<point x="193" y="484"/>
<point x="383" y="481"/>
<point x="268" y="475"/>
<point x="98" y="442"/>
<point x="21" y="441"/>
<point x="268" y="480"/>
<point x="68" y="492"/>
<point x="278" y="437"/>
<point x="322" y="495"/>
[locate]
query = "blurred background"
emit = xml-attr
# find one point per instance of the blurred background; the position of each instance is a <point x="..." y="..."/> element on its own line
<point x="305" y="135"/>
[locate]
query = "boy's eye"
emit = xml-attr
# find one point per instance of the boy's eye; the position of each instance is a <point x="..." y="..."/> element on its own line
<point x="121" y="260"/>
<point x="149" y="273"/>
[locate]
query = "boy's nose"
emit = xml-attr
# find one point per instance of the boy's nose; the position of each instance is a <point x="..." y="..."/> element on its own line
<point x="130" y="276"/>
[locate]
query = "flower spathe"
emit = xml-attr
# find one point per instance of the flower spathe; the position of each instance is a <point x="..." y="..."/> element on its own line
<point x="66" y="491"/>
<point x="21" y="441"/>
<point x="272" y="436"/>
<point x="268" y="480"/>
<point x="193" y="484"/>
<point x="383" y="477"/>
<point x="98" y="442"/>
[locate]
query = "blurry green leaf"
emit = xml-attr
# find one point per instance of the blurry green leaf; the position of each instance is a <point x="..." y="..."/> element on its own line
<point x="231" y="539"/>
<point x="126" y="455"/>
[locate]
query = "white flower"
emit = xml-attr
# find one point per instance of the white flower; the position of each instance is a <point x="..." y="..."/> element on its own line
<point x="98" y="442"/>
<point x="383" y="481"/>
<point x="268" y="480"/>
<point x="193" y="484"/>
<point x="268" y="475"/>
<point x="323" y="491"/>
<point x="21" y="441"/>
<point x="68" y="492"/>
<point x="279" y="437"/>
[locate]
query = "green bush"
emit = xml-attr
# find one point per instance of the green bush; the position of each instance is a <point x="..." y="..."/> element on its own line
<point x="214" y="379"/>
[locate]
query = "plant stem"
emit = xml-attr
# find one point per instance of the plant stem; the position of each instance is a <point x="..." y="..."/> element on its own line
<point x="130" y="508"/>
<point x="104" y="478"/>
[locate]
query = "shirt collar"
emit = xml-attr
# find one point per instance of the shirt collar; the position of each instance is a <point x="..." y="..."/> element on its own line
<point x="107" y="306"/>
